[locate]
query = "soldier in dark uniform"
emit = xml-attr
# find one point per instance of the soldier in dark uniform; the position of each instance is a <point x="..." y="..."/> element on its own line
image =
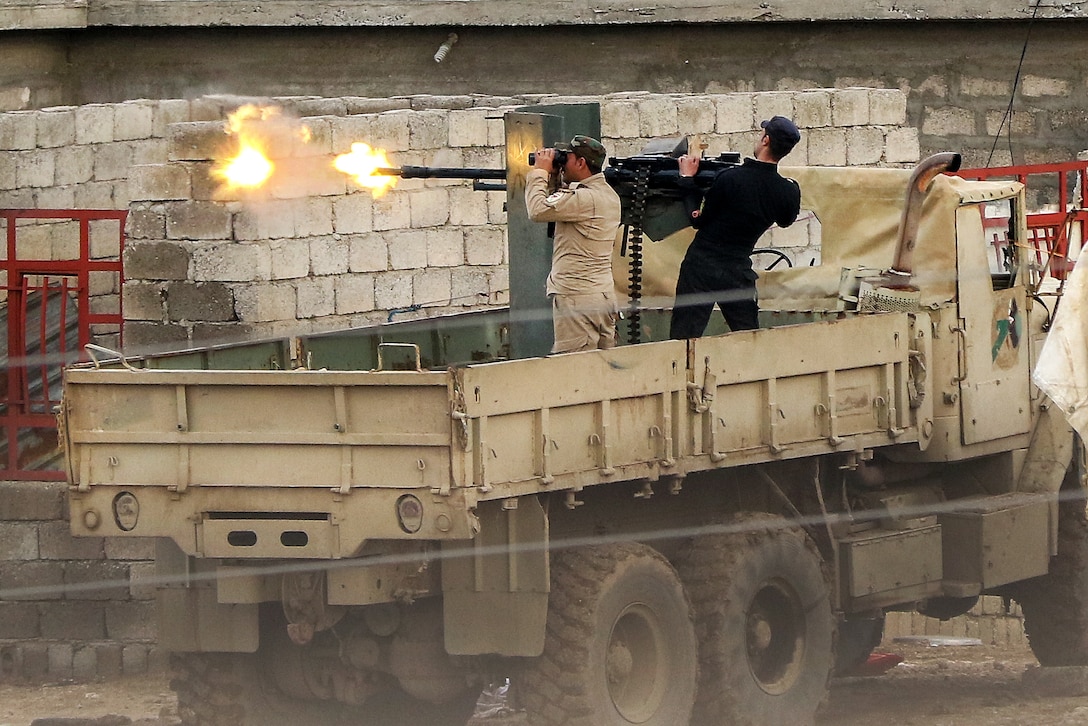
<point x="740" y="205"/>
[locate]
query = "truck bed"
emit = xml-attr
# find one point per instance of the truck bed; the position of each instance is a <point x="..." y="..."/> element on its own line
<point x="331" y="449"/>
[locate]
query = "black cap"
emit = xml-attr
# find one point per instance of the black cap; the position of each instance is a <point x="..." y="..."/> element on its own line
<point x="781" y="130"/>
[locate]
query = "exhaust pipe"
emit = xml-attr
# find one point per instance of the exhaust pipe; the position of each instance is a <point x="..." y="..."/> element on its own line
<point x="917" y="189"/>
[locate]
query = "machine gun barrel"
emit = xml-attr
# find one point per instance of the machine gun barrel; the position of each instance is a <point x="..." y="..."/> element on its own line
<point x="440" y="172"/>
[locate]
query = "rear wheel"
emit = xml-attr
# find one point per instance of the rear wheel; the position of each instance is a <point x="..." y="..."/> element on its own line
<point x="762" y="605"/>
<point x="857" y="639"/>
<point x="620" y="645"/>
<point x="1056" y="605"/>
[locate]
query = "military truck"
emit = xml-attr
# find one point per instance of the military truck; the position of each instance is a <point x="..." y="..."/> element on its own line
<point x="374" y="524"/>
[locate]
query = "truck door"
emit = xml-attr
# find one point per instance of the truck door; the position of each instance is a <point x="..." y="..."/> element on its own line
<point x="994" y="376"/>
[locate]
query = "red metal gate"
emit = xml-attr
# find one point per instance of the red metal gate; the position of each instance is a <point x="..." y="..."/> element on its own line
<point x="62" y="277"/>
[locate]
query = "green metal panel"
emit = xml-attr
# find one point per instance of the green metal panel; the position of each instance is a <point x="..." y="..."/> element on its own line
<point x="528" y="129"/>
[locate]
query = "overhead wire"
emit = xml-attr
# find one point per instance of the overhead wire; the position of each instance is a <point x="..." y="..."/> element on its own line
<point x="1007" y="118"/>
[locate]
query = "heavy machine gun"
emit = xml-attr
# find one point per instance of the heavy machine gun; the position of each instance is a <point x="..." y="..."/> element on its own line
<point x="649" y="188"/>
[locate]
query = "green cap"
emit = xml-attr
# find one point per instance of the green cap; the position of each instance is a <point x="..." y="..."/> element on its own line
<point x="588" y="148"/>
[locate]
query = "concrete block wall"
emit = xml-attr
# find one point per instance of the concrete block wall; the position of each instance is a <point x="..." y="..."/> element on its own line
<point x="313" y="251"/>
<point x="69" y="608"/>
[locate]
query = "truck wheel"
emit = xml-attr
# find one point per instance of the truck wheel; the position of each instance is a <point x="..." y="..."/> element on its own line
<point x="228" y="689"/>
<point x="763" y="620"/>
<point x="857" y="638"/>
<point x="1055" y="605"/>
<point x="620" y="644"/>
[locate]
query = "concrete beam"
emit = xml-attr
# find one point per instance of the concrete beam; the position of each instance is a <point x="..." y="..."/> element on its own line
<point x="476" y="13"/>
<point x="42" y="14"/>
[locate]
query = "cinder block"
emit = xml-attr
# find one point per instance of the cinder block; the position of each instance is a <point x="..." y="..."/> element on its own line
<point x="657" y="117"/>
<point x="160" y="182"/>
<point x="133" y="120"/>
<point x="198" y="301"/>
<point x="153" y="260"/>
<point x="18" y="620"/>
<point x="134" y="659"/>
<point x="31" y="580"/>
<point x="428" y="130"/>
<point x="60" y="660"/>
<point x="902" y="146"/>
<point x="290" y="258"/>
<point x="26" y="500"/>
<point x="407" y="250"/>
<point x="468" y="127"/>
<point x="84" y="662"/>
<point x="73" y="620"/>
<point x="619" y="118"/>
<point x="392" y="290"/>
<point x="313" y="216"/>
<point x="8" y="167"/>
<point x="850" y="106"/>
<point x="316" y="297"/>
<point x="985" y="87"/>
<point x="329" y="255"/>
<point x="826" y="147"/>
<point x="812" y="109"/>
<point x="145" y="337"/>
<point x="368" y="253"/>
<point x="445" y="247"/>
<point x="142" y="580"/>
<point x="99" y="195"/>
<point x="96" y="580"/>
<point x="199" y="141"/>
<point x="19" y="541"/>
<point x="498" y="279"/>
<point x="354" y="294"/>
<point x="429" y="207"/>
<point x="391" y="131"/>
<point x="431" y="287"/>
<point x="353" y="213"/>
<point x="318" y="106"/>
<point x="35" y="661"/>
<point x="259" y="303"/>
<point x="467" y="207"/>
<point x="766" y="105"/>
<point x="148" y="151"/>
<point x="231" y="262"/>
<point x="470" y="285"/>
<point x="113" y="161"/>
<point x="265" y="220"/>
<point x="485" y="246"/>
<point x="35" y="168"/>
<point x="496" y="131"/>
<point x="169" y="111"/>
<point x="347" y="130"/>
<point x="197" y="221"/>
<point x="696" y="115"/>
<point x="948" y="121"/>
<point x="130" y="621"/>
<point x="1023" y="122"/>
<point x="887" y="107"/>
<point x="108" y="657"/>
<point x="73" y="165"/>
<point x="864" y="145"/>
<point x="56" y="198"/>
<point x="56" y="127"/>
<point x="1030" y="85"/>
<point x="363" y="105"/>
<point x="428" y="101"/>
<point x="18" y="130"/>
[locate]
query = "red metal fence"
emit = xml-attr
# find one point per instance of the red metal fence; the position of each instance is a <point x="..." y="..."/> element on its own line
<point x="61" y="272"/>
<point x="1049" y="233"/>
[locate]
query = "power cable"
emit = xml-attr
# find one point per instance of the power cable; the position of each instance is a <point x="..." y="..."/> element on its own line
<point x="1007" y="118"/>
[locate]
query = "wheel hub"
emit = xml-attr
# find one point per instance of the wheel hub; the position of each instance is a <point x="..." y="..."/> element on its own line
<point x="775" y="637"/>
<point x="636" y="664"/>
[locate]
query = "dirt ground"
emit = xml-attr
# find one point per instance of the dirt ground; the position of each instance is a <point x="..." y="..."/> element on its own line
<point x="934" y="685"/>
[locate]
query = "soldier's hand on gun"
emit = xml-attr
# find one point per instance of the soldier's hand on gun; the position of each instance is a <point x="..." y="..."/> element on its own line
<point x="689" y="164"/>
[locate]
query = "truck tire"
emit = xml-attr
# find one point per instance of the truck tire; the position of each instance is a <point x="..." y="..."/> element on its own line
<point x="764" y="623"/>
<point x="228" y="689"/>
<point x="857" y="639"/>
<point x="620" y="643"/>
<point x="1055" y="605"/>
